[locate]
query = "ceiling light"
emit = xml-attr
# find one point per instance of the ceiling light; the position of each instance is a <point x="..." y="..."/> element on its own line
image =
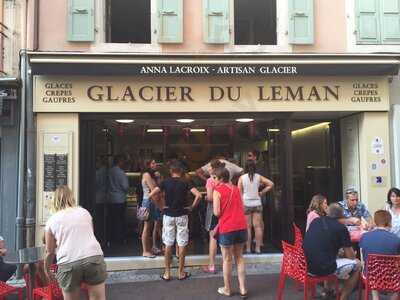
<point x="125" y="121"/>
<point x="244" y="120"/>
<point x="273" y="129"/>
<point x="319" y="125"/>
<point x="155" y="130"/>
<point x="185" y="120"/>
<point x="197" y="130"/>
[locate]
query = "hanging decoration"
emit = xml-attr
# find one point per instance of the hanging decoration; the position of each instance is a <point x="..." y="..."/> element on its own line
<point x="252" y="129"/>
<point x="231" y="131"/>
<point x="121" y="130"/>
<point x="209" y="132"/>
<point x="165" y="133"/>
<point x="186" y="133"/>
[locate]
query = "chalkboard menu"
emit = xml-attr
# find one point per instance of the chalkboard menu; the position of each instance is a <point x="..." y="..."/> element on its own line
<point x="55" y="171"/>
<point x="49" y="184"/>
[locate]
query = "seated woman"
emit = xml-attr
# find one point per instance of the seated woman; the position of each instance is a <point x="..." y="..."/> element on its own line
<point x="6" y="270"/>
<point x="318" y="208"/>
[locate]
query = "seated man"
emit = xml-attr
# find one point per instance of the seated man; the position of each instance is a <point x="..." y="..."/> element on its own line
<point x="354" y="211"/>
<point x="380" y="240"/>
<point x="322" y="241"/>
<point x="6" y="270"/>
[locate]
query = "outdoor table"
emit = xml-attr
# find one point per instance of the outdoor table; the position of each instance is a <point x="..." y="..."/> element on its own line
<point x="29" y="256"/>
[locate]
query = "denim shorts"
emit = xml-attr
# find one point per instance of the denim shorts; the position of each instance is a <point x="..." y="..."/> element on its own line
<point x="233" y="238"/>
<point x="154" y="212"/>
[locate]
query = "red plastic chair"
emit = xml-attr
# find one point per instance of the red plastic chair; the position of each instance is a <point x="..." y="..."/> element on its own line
<point x="53" y="290"/>
<point x="383" y="274"/>
<point x="294" y="266"/>
<point x="6" y="290"/>
<point x="298" y="237"/>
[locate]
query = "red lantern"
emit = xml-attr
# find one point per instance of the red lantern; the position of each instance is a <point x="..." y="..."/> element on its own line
<point x="120" y="130"/>
<point x="252" y="129"/>
<point x="208" y="132"/>
<point x="231" y="131"/>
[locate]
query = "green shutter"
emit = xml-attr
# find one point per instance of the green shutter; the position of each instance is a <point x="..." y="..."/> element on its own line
<point x="81" y="20"/>
<point x="170" y="21"/>
<point x="216" y="21"/>
<point x="390" y="21"/>
<point x="367" y="22"/>
<point x="301" y="21"/>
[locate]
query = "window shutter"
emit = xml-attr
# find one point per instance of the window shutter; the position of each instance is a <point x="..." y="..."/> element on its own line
<point x="301" y="21"/>
<point x="81" y="20"/>
<point x="367" y="22"/>
<point x="170" y="21"/>
<point x="216" y="21"/>
<point x="390" y="21"/>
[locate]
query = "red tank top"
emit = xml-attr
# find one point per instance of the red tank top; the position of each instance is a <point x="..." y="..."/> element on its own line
<point x="232" y="216"/>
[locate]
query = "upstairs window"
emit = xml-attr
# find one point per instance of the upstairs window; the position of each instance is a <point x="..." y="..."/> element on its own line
<point x="129" y="21"/>
<point x="255" y="22"/>
<point x="378" y="21"/>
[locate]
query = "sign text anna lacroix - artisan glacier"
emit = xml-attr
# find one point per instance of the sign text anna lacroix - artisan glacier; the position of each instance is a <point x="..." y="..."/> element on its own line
<point x="218" y="70"/>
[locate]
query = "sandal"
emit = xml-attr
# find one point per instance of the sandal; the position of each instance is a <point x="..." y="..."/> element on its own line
<point x="243" y="296"/>
<point x="165" y="279"/>
<point x="222" y="292"/>
<point x="149" y="256"/>
<point x="185" y="276"/>
<point x="209" y="270"/>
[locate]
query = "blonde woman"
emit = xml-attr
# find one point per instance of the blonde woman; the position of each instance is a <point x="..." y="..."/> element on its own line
<point x="318" y="208"/>
<point x="79" y="255"/>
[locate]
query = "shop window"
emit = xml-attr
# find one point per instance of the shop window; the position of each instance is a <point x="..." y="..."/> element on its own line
<point x="255" y="22"/>
<point x="129" y="21"/>
<point x="378" y="21"/>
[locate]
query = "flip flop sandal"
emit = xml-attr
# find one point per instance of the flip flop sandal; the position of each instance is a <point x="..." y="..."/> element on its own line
<point x="186" y="276"/>
<point x="209" y="270"/>
<point x="149" y="256"/>
<point x="165" y="279"/>
<point x="222" y="292"/>
<point x="243" y="296"/>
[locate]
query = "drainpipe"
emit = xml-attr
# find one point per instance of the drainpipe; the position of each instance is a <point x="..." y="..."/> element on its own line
<point x="21" y="160"/>
<point x="30" y="161"/>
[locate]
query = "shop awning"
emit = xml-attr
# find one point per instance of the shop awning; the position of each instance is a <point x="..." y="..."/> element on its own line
<point x="213" y="65"/>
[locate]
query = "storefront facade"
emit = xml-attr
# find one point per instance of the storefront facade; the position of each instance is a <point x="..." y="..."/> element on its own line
<point x="349" y="94"/>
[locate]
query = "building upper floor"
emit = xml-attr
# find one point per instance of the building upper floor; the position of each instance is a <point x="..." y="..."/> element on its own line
<point x="216" y="26"/>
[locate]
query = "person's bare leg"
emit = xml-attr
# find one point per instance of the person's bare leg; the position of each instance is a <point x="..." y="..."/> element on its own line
<point x="167" y="262"/>
<point x="349" y="285"/>
<point x="395" y="296"/>
<point x="227" y="267"/>
<point x="146" y="239"/>
<point x="212" y="249"/>
<point x="241" y="267"/>
<point x="249" y="227"/>
<point x="375" y="295"/>
<point x="181" y="268"/>
<point x="156" y="235"/>
<point x="258" y="230"/>
<point x="97" y="292"/>
<point x="72" y="295"/>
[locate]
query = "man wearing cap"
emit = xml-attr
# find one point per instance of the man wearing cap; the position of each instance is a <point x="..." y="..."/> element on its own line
<point x="354" y="210"/>
<point x="322" y="241"/>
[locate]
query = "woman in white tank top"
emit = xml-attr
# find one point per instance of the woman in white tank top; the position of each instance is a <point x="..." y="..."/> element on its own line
<point x="249" y="186"/>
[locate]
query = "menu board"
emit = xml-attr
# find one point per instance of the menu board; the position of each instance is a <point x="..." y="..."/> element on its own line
<point x="49" y="183"/>
<point x="55" y="171"/>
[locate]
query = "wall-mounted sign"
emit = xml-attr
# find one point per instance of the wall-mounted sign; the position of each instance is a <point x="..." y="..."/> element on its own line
<point x="218" y="94"/>
<point x="377" y="146"/>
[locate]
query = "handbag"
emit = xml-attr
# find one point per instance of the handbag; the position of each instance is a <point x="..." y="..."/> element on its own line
<point x="216" y="228"/>
<point x="143" y="213"/>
